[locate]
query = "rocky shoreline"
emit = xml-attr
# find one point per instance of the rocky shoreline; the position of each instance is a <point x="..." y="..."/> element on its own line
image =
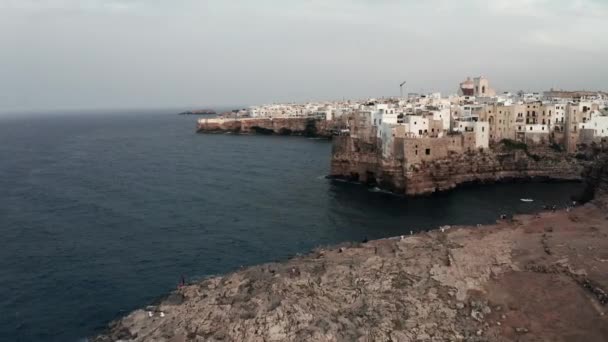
<point x="355" y="160"/>
<point x="308" y="127"/>
<point x="540" y="277"/>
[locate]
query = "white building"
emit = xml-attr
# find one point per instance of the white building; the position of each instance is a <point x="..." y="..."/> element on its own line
<point x="598" y="123"/>
<point x="418" y="125"/>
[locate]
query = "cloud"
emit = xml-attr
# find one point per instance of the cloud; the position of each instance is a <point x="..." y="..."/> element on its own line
<point x="121" y="53"/>
<point x="71" y="5"/>
<point x="575" y="25"/>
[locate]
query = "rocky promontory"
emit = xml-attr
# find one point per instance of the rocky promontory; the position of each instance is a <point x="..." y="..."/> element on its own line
<point x="540" y="277"/>
<point x="309" y="127"/>
<point x="363" y="161"/>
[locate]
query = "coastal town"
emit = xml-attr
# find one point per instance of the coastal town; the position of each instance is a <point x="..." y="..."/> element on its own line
<point x="567" y="118"/>
<point x="454" y="283"/>
<point x="423" y="143"/>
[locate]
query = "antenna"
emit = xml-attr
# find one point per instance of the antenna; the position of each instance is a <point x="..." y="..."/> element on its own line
<point x="401" y="88"/>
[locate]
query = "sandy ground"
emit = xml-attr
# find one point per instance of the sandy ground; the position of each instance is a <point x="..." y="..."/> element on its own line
<point x="533" y="278"/>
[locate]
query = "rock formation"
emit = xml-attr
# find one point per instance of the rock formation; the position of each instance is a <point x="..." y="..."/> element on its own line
<point x="537" y="277"/>
<point x="309" y="127"/>
<point x="362" y="160"/>
<point x="596" y="179"/>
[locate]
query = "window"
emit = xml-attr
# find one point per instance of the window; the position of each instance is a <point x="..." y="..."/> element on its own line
<point x="428" y="151"/>
<point x="483" y="129"/>
<point x="530" y="128"/>
<point x="416" y="152"/>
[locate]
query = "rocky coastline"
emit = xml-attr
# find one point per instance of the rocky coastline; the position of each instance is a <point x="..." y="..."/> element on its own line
<point x="541" y="277"/>
<point x="355" y="160"/>
<point x="199" y="112"/>
<point x="308" y="127"/>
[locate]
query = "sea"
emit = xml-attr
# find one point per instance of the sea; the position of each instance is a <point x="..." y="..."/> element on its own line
<point x="102" y="212"/>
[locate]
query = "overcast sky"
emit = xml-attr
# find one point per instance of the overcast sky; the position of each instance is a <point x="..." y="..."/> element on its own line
<point x="58" y="54"/>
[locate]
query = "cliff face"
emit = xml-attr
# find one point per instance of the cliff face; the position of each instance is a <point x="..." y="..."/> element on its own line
<point x="362" y="161"/>
<point x="488" y="167"/>
<point x="279" y="126"/>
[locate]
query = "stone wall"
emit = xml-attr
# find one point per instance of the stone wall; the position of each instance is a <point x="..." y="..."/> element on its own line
<point x="280" y="126"/>
<point x="360" y="160"/>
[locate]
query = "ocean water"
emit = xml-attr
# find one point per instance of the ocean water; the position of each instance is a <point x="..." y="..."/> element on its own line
<point x="101" y="213"/>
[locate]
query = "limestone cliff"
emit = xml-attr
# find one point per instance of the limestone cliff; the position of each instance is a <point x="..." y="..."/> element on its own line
<point x="309" y="127"/>
<point x="360" y="160"/>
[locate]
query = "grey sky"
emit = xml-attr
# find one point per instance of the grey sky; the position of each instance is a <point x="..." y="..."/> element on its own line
<point x="161" y="53"/>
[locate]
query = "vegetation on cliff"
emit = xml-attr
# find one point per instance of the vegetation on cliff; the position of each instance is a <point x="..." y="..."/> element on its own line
<point x="512" y="145"/>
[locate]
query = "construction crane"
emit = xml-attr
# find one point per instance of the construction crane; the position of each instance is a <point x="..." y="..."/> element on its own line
<point x="401" y="88"/>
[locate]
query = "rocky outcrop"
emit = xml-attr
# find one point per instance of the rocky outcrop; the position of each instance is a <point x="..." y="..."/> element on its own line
<point x="532" y="278"/>
<point x="488" y="167"/>
<point x="362" y="161"/>
<point x="309" y="127"/>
